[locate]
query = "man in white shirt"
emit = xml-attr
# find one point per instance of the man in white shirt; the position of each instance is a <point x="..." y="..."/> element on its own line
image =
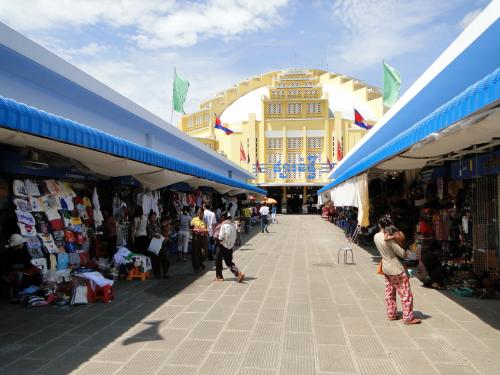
<point x="210" y="221"/>
<point x="227" y="238"/>
<point x="264" y="213"/>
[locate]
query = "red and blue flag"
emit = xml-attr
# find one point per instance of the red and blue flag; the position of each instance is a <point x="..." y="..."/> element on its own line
<point x="360" y="121"/>
<point x="218" y="125"/>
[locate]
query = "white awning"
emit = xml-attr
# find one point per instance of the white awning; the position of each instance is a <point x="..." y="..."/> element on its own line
<point x="479" y="129"/>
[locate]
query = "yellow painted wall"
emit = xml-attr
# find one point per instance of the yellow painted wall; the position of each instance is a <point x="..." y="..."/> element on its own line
<point x="251" y="133"/>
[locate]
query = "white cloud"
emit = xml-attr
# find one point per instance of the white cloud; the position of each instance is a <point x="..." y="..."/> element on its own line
<point x="384" y="29"/>
<point x="469" y="17"/>
<point x="153" y="23"/>
<point x="147" y="78"/>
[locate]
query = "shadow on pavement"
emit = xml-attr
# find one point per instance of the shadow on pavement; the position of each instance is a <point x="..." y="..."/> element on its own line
<point x="488" y="310"/>
<point x="52" y="340"/>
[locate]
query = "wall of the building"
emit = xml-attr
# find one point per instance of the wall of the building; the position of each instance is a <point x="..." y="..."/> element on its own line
<point x="335" y="130"/>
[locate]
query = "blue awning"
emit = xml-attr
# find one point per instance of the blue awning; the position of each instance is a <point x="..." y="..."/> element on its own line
<point x="22" y="118"/>
<point x="438" y="85"/>
<point x="476" y="97"/>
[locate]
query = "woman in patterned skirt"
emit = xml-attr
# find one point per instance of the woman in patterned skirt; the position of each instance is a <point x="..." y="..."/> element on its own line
<point x="396" y="278"/>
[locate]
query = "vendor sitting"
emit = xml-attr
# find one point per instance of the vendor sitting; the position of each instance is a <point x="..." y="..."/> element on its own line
<point x="16" y="265"/>
<point x="430" y="270"/>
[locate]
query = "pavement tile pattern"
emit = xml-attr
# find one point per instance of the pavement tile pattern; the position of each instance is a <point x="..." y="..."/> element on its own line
<point x="298" y="312"/>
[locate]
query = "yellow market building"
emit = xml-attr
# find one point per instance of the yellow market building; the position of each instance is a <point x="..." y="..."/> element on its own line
<point x="290" y="124"/>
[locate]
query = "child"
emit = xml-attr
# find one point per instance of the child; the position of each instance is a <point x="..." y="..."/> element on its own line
<point x="393" y="233"/>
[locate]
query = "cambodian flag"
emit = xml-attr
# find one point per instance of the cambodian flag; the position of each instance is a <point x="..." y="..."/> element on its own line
<point x="218" y="125"/>
<point x="360" y="121"/>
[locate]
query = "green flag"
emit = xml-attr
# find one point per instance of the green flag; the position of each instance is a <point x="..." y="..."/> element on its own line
<point x="181" y="87"/>
<point x="392" y="81"/>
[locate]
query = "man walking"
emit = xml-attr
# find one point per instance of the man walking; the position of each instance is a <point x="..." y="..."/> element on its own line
<point x="227" y="238"/>
<point x="210" y="221"/>
<point x="199" y="242"/>
<point x="264" y="221"/>
<point x="247" y="216"/>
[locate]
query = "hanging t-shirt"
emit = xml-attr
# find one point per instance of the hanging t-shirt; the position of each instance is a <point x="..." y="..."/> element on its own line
<point x="34" y="247"/>
<point x="25" y="217"/>
<point x="38" y="204"/>
<point x="19" y="189"/>
<point x="22" y="204"/>
<point x="42" y="223"/>
<point x="26" y="230"/>
<point x="48" y="243"/>
<point x="31" y="188"/>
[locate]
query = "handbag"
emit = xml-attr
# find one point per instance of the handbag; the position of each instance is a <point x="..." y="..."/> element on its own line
<point x="379" y="269"/>
<point x="156" y="244"/>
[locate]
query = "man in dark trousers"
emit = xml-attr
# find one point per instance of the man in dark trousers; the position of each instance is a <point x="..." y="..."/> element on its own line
<point x="226" y="234"/>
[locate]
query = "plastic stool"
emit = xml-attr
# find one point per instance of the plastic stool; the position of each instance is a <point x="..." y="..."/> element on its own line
<point x="135" y="273"/>
<point x="105" y="294"/>
<point x="345" y="250"/>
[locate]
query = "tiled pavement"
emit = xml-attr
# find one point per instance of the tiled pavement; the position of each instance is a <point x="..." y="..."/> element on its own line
<point x="299" y="312"/>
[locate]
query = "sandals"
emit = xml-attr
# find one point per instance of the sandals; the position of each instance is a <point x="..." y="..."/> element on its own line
<point x="413" y="321"/>
<point x="219" y="279"/>
<point x="241" y="276"/>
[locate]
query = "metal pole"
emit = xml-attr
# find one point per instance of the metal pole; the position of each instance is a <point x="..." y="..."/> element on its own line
<point x="173" y="88"/>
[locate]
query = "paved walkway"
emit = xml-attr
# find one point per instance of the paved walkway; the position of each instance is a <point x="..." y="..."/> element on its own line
<point x="298" y="313"/>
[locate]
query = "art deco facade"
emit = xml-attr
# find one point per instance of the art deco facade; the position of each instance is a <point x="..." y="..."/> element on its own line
<point x="292" y="122"/>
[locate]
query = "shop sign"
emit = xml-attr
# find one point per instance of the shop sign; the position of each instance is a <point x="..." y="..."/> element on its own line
<point x="311" y="168"/>
<point x="481" y="165"/>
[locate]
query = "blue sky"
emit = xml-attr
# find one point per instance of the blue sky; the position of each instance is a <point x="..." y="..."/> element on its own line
<point x="133" y="45"/>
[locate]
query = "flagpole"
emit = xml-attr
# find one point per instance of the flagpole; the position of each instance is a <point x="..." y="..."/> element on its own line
<point x="173" y="89"/>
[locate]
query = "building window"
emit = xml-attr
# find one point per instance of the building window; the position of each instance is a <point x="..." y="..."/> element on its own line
<point x="294" y="92"/>
<point x="314" y="165"/>
<point x="207" y="117"/>
<point x="293" y="161"/>
<point x="190" y="121"/>
<point x="274" y="108"/>
<point x="294" y="143"/>
<point x="314" y="107"/>
<point x="294" y="108"/>
<point x="275" y="143"/>
<point x="314" y="142"/>
<point x="199" y="120"/>
<point x="272" y="159"/>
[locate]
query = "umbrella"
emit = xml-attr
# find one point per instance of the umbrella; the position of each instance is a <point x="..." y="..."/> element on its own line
<point x="270" y="201"/>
